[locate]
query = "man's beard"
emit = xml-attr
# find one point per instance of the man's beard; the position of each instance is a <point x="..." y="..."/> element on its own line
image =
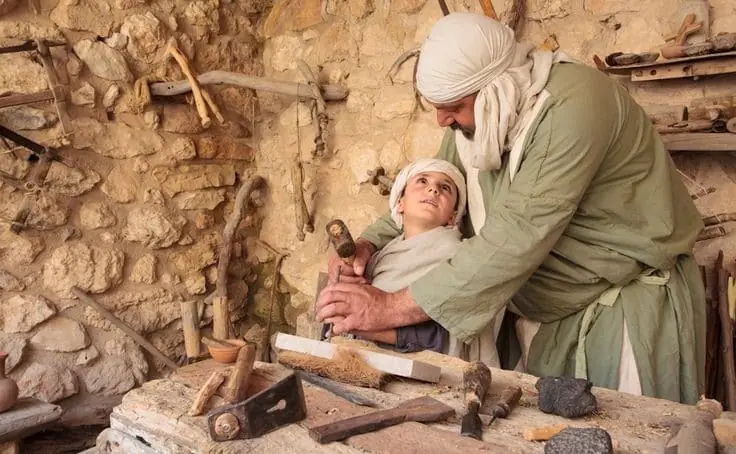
<point x="468" y="133"/>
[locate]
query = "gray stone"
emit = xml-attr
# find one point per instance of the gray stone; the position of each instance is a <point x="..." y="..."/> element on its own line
<point x="102" y="60"/>
<point x="121" y="184"/>
<point x="87" y="356"/>
<point x="96" y="215"/>
<point x="26" y="118"/>
<point x="70" y="181"/>
<point x="48" y="383"/>
<point x="566" y="397"/>
<point x="109" y="377"/>
<point x="10" y="283"/>
<point x="61" y="334"/>
<point x="22" y="313"/>
<point x="580" y="440"/>
<point x="153" y="226"/>
<point x="92" y="269"/>
<point x="114" y="140"/>
<point x="183" y="149"/>
<point x="146" y="36"/>
<point x="84" y="95"/>
<point x="15" y="347"/>
<point x="206" y="199"/>
<point x="144" y="270"/>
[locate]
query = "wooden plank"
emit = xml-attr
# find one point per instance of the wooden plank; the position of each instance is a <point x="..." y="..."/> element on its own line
<point x="391" y="364"/>
<point x="626" y="69"/>
<point x="685" y="69"/>
<point x="700" y="141"/>
<point x="17" y="100"/>
<point x="27" y="417"/>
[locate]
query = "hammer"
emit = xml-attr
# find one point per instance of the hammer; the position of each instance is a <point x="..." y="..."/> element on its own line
<point x="342" y="241"/>
<point x="379" y="178"/>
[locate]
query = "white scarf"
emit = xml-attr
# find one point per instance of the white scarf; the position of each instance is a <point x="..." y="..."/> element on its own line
<point x="467" y="53"/>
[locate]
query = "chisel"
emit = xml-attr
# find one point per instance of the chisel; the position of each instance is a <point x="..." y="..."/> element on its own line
<point x="336" y="389"/>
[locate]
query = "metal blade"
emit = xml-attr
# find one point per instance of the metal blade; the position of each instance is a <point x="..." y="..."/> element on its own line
<point x="336" y="389"/>
<point x="471" y="426"/>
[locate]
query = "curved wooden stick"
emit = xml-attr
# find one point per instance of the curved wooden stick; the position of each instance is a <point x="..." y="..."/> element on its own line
<point x="196" y="91"/>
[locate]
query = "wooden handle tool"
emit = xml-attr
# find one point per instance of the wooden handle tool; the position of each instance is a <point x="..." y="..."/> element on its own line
<point x="476" y="381"/>
<point x="237" y="385"/>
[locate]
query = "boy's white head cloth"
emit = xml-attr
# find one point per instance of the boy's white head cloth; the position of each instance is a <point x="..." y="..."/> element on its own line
<point x="427" y="165"/>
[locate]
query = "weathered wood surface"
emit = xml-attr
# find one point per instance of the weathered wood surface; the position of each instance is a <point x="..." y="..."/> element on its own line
<point x="156" y="413"/>
<point x="27" y="417"/>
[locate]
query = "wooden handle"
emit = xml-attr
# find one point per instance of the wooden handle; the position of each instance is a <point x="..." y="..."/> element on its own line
<point x="205" y="392"/>
<point x="341" y="240"/>
<point x="543" y="433"/>
<point x="190" y="328"/>
<point x="237" y="385"/>
<point x="509" y="399"/>
<point x="488" y="9"/>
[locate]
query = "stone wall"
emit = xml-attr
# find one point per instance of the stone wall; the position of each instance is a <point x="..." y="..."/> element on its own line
<point x="134" y="212"/>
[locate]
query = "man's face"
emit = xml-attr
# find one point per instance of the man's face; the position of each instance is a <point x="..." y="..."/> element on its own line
<point x="428" y="201"/>
<point x="458" y="115"/>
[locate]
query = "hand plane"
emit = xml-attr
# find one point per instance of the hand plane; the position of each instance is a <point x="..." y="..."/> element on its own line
<point x="274" y="407"/>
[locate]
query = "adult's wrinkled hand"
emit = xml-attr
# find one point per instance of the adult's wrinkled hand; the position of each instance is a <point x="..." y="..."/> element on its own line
<point x="353" y="307"/>
<point x="350" y="274"/>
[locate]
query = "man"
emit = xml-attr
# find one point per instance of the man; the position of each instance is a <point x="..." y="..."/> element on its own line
<point x="582" y="225"/>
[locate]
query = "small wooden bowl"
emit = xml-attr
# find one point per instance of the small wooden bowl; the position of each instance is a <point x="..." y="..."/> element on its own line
<point x="226" y="354"/>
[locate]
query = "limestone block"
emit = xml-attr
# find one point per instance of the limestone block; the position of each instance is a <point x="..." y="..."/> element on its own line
<point x="48" y="383"/>
<point x="7" y="6"/>
<point x="285" y="51"/>
<point x="359" y="102"/>
<point x="183" y="149"/>
<point x="144" y="270"/>
<point x="380" y="40"/>
<point x="87" y="356"/>
<point x="199" y="256"/>
<point x="546" y="9"/>
<point x="394" y="101"/>
<point x="61" y="334"/>
<point x="639" y="33"/>
<point x="92" y="269"/>
<point x="195" y="283"/>
<point x="225" y="148"/>
<point x="22" y="30"/>
<point x="144" y="311"/>
<point x="407" y="6"/>
<point x="605" y="7"/>
<point x="121" y="184"/>
<point x="19" y="74"/>
<point x="204" y="17"/>
<point x="26" y="117"/>
<point x="297" y="111"/>
<point x="15" y="347"/>
<point x="84" y="95"/>
<point x="153" y="226"/>
<point x="153" y="197"/>
<point x="181" y="119"/>
<point x="96" y="215"/>
<point x="128" y="4"/>
<point x="108" y="377"/>
<point x="131" y="352"/>
<point x="83" y="15"/>
<point x="262" y="307"/>
<point x="70" y="181"/>
<point x="292" y="15"/>
<point x="16" y="250"/>
<point x="723" y="24"/>
<point x="10" y="283"/>
<point x="362" y="157"/>
<point x="391" y="156"/>
<point x="194" y="177"/>
<point x="111" y="94"/>
<point x="74" y="65"/>
<point x="47" y="214"/>
<point x="114" y="140"/>
<point x="146" y="36"/>
<point x="117" y="41"/>
<point x="13" y="166"/>
<point x="22" y="313"/>
<point x="423" y="139"/>
<point x="102" y="60"/>
<point x="205" y="199"/>
<point x="337" y="44"/>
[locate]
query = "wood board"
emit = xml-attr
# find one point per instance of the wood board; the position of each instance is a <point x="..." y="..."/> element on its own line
<point x="390" y="364"/>
<point x="27" y="417"/>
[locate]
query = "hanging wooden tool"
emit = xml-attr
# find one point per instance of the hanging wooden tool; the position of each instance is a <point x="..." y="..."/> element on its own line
<point x="488" y="9"/>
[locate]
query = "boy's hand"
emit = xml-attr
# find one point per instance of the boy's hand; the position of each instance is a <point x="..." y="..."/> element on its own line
<point x="350" y="274"/>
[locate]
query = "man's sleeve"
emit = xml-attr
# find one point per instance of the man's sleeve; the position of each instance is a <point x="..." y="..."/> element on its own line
<point x="384" y="229"/>
<point x="428" y="335"/>
<point x="465" y="292"/>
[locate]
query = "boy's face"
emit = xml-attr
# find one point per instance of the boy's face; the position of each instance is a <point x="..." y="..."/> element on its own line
<point x="428" y="201"/>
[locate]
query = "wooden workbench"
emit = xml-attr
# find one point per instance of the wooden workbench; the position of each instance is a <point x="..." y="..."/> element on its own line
<point x="156" y="414"/>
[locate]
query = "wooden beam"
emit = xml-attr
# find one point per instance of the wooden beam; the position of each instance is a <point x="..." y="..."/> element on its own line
<point x="17" y="100"/>
<point x="389" y="364"/>
<point x="700" y="141"/>
<point x="27" y="417"/>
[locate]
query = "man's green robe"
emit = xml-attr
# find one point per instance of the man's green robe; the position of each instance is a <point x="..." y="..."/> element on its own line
<point x="596" y="201"/>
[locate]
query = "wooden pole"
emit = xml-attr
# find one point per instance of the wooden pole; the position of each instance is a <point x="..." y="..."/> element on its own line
<point x="237" y="384"/>
<point x="124" y="328"/>
<point x="190" y="328"/>
<point x="727" y="353"/>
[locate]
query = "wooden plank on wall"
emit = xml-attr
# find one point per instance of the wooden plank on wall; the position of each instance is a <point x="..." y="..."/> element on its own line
<point x="700" y="141"/>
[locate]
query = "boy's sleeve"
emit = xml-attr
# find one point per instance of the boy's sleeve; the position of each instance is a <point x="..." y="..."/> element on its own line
<point x="428" y="335"/>
<point x="384" y="229"/>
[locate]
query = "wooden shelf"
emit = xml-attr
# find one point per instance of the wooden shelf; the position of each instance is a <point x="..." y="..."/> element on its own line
<point x="700" y="141"/>
<point x="676" y="68"/>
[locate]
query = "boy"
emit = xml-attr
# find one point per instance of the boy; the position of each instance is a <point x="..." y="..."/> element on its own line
<point x="428" y="202"/>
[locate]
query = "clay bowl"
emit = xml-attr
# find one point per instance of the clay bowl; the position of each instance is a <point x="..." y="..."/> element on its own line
<point x="226" y="354"/>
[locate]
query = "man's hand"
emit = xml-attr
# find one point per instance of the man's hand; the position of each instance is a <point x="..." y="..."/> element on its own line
<point x="363" y="252"/>
<point x="360" y="307"/>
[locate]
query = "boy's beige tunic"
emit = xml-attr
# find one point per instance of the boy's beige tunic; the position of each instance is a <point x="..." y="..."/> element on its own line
<point x="596" y="202"/>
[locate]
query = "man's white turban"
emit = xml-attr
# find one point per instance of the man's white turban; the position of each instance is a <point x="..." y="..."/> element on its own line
<point x="468" y="53"/>
<point x="427" y="165"/>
